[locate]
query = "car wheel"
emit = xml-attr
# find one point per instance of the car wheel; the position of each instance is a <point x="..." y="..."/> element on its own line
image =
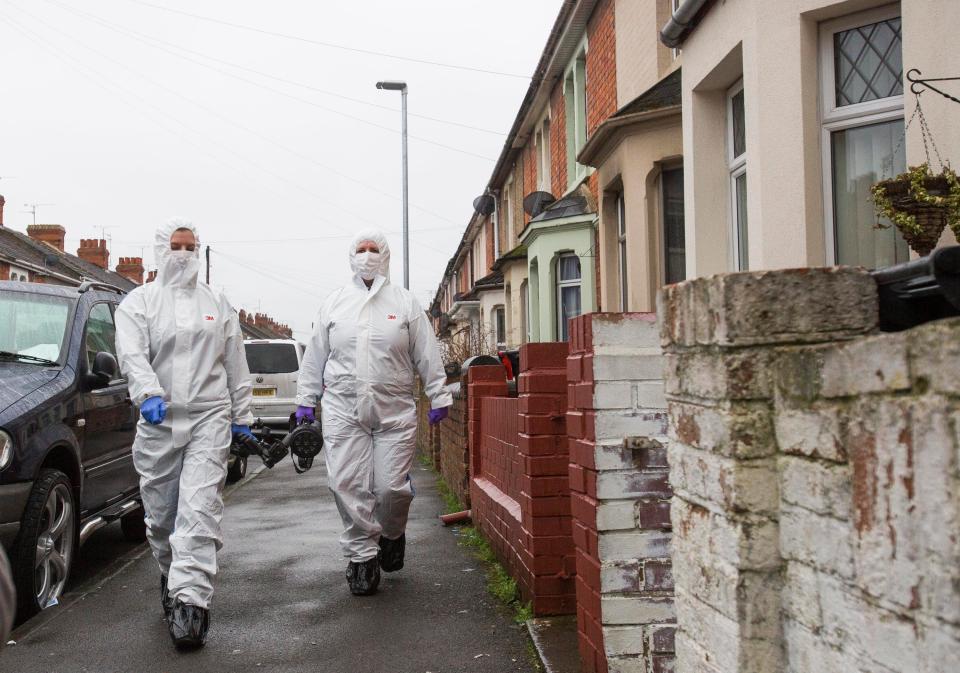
<point x="133" y="526"/>
<point x="237" y="470"/>
<point x="45" y="546"/>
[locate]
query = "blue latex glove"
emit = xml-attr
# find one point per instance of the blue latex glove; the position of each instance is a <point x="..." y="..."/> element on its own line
<point x="437" y="415"/>
<point x="241" y="430"/>
<point x="154" y="410"/>
<point x="305" y="415"/>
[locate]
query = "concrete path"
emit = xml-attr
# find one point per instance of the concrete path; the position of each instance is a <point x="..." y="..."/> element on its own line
<point x="282" y="602"/>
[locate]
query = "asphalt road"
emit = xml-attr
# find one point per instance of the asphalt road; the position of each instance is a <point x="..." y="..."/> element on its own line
<point x="282" y="602"/>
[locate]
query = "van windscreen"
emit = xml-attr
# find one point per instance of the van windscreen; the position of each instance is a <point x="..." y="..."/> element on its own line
<point x="271" y="358"/>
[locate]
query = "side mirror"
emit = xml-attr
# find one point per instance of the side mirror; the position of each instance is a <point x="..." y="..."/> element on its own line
<point x="104" y="370"/>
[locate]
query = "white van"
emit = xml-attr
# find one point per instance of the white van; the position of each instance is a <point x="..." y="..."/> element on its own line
<point x="274" y="366"/>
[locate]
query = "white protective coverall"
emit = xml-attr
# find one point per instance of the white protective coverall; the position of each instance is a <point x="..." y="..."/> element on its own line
<point x="367" y="345"/>
<point x="180" y="339"/>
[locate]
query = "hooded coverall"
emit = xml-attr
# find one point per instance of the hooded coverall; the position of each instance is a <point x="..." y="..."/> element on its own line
<point x="180" y="339"/>
<point x="366" y="348"/>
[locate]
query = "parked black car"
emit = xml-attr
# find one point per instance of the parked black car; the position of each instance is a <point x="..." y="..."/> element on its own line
<point x="67" y="426"/>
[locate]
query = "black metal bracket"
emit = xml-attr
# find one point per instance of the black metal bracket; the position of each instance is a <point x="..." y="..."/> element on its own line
<point x="917" y="83"/>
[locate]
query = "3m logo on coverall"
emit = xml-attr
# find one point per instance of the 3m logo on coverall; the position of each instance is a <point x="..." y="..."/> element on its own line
<point x="209" y="317"/>
<point x="391" y="317"/>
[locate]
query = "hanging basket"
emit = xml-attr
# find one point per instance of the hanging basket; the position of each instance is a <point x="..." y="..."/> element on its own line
<point x="921" y="205"/>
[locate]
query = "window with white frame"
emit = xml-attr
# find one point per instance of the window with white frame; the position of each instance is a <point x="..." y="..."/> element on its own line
<point x="568" y="292"/>
<point x="674" y="246"/>
<point x="861" y="68"/>
<point x="575" y="108"/>
<point x="622" y="250"/>
<point x="737" y="165"/>
<point x="543" y="156"/>
<point x="500" y="326"/>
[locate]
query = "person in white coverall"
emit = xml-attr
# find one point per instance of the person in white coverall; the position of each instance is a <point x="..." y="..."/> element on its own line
<point x="370" y="340"/>
<point x="181" y="350"/>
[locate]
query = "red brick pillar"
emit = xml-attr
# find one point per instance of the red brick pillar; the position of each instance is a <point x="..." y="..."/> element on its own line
<point x="453" y="455"/>
<point x="544" y="493"/>
<point x="583" y="495"/>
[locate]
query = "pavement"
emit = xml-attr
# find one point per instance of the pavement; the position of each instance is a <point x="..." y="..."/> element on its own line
<point x="282" y="602"/>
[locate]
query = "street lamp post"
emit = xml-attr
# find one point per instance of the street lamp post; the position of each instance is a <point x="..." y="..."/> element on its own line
<point x="402" y="88"/>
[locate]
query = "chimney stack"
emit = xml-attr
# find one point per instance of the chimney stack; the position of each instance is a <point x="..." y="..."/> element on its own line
<point x="131" y="268"/>
<point x="94" y="251"/>
<point x="51" y="234"/>
<point x="2" y="201"/>
<point x="152" y="276"/>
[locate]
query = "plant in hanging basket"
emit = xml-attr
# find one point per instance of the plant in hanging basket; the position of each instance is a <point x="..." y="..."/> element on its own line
<point x="920" y="204"/>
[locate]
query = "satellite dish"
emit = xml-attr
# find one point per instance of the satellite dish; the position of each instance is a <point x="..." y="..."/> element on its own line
<point x="535" y="203"/>
<point x="484" y="204"/>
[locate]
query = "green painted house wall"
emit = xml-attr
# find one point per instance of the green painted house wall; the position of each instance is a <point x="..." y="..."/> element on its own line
<point x="545" y="242"/>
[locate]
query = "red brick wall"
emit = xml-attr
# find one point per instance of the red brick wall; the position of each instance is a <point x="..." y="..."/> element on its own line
<point x="519" y="492"/>
<point x="601" y="66"/>
<point x="529" y="172"/>
<point x="499" y="435"/>
<point x="453" y="457"/>
<point x="545" y="493"/>
<point x="4" y="271"/>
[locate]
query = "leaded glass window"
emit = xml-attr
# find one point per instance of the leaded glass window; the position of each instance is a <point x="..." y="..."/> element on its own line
<point x="868" y="62"/>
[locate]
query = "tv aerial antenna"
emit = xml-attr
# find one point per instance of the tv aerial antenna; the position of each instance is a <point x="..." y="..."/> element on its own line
<point x="33" y="208"/>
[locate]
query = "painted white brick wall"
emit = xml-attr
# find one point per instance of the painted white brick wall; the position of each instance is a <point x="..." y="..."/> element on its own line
<point x="816" y="513"/>
<point x="629" y="401"/>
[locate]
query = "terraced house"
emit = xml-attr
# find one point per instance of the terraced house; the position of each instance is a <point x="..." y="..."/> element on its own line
<point x="584" y="209"/>
<point x="734" y="491"/>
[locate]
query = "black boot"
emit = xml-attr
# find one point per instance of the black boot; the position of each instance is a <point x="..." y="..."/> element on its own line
<point x="165" y="600"/>
<point x="364" y="577"/>
<point x="188" y="625"/>
<point x="391" y="553"/>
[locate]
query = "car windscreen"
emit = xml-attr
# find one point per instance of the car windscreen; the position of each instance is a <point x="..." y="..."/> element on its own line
<point x="271" y="358"/>
<point x="33" y="325"/>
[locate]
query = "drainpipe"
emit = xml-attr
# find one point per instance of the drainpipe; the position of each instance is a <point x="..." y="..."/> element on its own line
<point x="680" y="24"/>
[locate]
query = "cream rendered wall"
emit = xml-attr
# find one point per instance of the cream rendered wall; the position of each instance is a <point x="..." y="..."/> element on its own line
<point x="774" y="47"/>
<point x="634" y="166"/>
<point x="930" y="45"/>
<point x="642" y="60"/>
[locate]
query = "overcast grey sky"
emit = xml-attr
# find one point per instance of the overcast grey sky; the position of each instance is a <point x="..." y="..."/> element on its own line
<point x="123" y="114"/>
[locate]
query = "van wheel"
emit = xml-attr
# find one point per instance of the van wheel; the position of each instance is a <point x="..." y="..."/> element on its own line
<point x="238" y="470"/>
<point x="133" y="526"/>
<point x="44" y="551"/>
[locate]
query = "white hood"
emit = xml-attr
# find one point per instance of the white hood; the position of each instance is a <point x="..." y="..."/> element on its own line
<point x="377" y="237"/>
<point x="172" y="270"/>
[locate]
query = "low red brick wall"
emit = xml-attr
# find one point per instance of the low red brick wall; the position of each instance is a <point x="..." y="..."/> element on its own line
<point x="454" y="457"/>
<point x="520" y="488"/>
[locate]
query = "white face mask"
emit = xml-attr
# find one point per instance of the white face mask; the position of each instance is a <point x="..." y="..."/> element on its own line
<point x="367" y="264"/>
<point x="180" y="268"/>
<point x="181" y="257"/>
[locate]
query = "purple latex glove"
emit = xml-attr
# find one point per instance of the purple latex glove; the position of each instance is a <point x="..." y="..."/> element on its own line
<point x="305" y="415"/>
<point x="437" y="415"/>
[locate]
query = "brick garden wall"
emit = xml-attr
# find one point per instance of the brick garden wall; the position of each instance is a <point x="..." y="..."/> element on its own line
<point x="620" y="496"/>
<point x="454" y="455"/>
<point x="817" y="486"/>
<point x="520" y="490"/>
